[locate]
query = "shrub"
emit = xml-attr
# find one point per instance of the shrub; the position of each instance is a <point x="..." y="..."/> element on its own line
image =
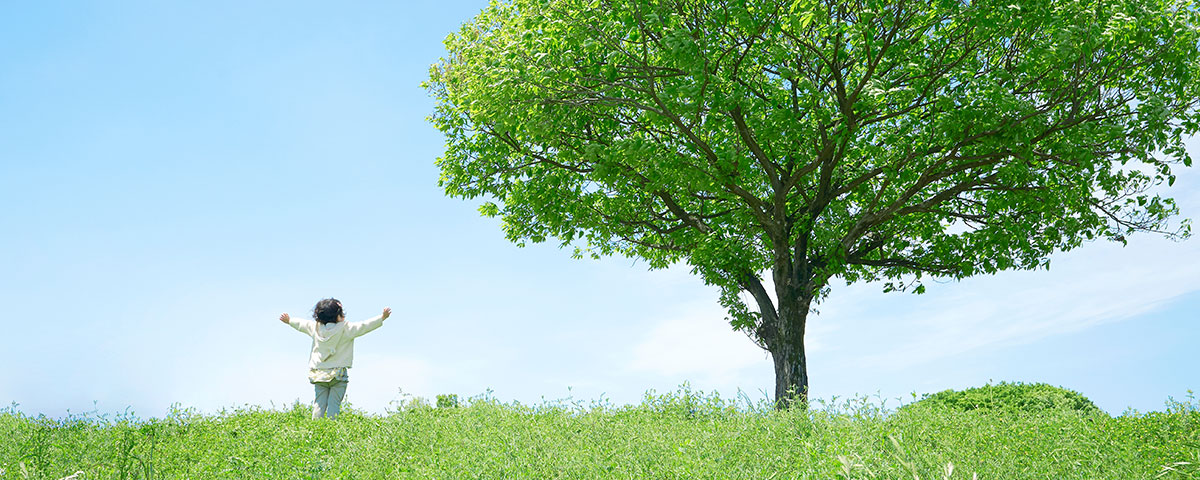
<point x="449" y="400"/>
<point x="1026" y="397"/>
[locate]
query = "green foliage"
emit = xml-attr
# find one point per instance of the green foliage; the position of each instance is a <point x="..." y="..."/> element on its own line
<point x="820" y="139"/>
<point x="1024" y="397"/>
<point x="682" y="434"/>
<point x="448" y="400"/>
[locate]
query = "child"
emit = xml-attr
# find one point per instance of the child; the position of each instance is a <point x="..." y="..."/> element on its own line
<point x="332" y="351"/>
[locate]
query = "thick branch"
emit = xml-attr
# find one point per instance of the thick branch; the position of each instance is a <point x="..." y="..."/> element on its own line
<point x="770" y="319"/>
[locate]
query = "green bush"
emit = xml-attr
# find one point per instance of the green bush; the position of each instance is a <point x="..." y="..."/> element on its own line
<point x="1025" y="397"/>
<point x="449" y="400"/>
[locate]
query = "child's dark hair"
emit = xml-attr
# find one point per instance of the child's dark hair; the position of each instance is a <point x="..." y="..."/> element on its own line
<point x="328" y="310"/>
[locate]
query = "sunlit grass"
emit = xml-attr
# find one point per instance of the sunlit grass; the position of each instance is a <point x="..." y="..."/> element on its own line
<point x="683" y="434"/>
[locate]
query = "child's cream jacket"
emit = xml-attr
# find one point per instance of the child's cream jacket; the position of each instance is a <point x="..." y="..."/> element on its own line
<point x="333" y="343"/>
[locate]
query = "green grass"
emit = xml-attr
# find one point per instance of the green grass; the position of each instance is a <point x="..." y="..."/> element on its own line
<point x="681" y="435"/>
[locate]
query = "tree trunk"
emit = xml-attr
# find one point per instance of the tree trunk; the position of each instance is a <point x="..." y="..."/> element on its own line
<point x="781" y="330"/>
<point x="791" y="376"/>
<point x="787" y="351"/>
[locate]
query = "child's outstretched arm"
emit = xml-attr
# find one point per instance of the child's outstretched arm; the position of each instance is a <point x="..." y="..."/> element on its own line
<point x="356" y="329"/>
<point x="299" y="325"/>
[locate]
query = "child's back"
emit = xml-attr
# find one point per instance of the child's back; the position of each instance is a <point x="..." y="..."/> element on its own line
<point x="333" y="343"/>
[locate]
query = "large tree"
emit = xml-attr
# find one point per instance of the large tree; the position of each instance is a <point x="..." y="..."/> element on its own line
<point x="820" y="140"/>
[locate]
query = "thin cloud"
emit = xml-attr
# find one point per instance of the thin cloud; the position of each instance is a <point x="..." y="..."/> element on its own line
<point x="1095" y="285"/>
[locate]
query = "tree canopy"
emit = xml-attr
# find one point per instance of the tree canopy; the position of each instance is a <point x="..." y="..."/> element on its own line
<point x="859" y="140"/>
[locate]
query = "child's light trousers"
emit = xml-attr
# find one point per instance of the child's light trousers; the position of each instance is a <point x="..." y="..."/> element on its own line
<point x="329" y="398"/>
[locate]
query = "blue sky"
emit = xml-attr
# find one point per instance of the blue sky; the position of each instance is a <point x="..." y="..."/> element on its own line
<point x="173" y="177"/>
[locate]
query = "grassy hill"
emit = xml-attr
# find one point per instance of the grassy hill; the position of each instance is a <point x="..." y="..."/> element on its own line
<point x="680" y="435"/>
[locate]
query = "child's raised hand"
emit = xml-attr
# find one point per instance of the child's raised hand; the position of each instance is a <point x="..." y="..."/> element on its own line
<point x="387" y="312"/>
<point x="285" y="318"/>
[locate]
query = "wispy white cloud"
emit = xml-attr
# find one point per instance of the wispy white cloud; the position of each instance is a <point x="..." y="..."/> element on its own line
<point x="1099" y="283"/>
<point x="1095" y="285"/>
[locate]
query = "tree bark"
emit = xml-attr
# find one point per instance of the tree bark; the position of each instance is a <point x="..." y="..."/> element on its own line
<point x="787" y="351"/>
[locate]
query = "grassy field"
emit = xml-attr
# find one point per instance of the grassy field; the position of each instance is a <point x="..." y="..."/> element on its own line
<point x="677" y="435"/>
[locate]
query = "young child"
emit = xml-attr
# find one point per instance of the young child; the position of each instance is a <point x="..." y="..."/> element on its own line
<point x="332" y="351"/>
